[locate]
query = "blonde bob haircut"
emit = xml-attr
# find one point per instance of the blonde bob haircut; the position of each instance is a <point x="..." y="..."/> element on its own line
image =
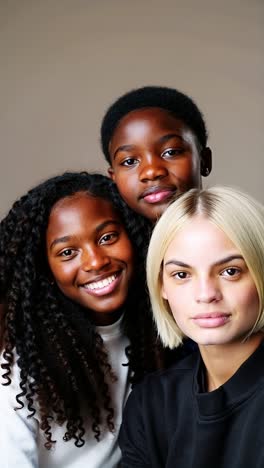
<point x="237" y="214"/>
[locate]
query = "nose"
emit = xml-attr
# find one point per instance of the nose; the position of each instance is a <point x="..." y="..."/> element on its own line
<point x="153" y="168"/>
<point x="207" y="291"/>
<point x="95" y="259"/>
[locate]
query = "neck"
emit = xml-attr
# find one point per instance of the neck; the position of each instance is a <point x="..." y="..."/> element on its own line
<point x="222" y="361"/>
<point x="105" y="318"/>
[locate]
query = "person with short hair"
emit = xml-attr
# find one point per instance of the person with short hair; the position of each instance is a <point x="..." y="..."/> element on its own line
<point x="155" y="140"/>
<point x="205" y="273"/>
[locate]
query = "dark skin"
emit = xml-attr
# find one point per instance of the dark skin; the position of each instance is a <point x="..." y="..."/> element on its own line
<point x="90" y="255"/>
<point x="153" y="157"/>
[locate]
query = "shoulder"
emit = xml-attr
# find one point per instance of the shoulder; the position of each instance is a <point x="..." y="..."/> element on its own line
<point x="158" y="385"/>
<point x="183" y="367"/>
<point x="153" y="408"/>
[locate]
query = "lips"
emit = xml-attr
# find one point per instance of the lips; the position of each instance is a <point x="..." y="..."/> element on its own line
<point x="157" y="194"/>
<point x="213" y="320"/>
<point x="103" y="285"/>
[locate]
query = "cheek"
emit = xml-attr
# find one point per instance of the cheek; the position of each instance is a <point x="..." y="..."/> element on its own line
<point x="188" y="168"/>
<point x="178" y="301"/>
<point x="123" y="252"/>
<point x="251" y="301"/>
<point x="194" y="168"/>
<point x="126" y="184"/>
<point x="61" y="273"/>
<point x="181" y="320"/>
<point x="130" y="259"/>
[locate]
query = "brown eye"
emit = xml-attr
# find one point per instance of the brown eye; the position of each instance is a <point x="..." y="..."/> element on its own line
<point x="67" y="253"/>
<point x="171" y="152"/>
<point x="129" y="162"/>
<point x="181" y="275"/>
<point x="231" y="272"/>
<point x="109" y="238"/>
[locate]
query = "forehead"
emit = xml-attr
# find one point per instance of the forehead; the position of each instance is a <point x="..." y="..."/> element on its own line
<point x="199" y="239"/>
<point x="146" y="127"/>
<point x="80" y="208"/>
<point x="154" y="117"/>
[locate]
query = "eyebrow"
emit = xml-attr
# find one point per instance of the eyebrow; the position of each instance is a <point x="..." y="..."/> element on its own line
<point x="169" y="136"/>
<point x="163" y="139"/>
<point x="106" y="223"/>
<point x="218" y="263"/>
<point x="100" y="227"/>
<point x="123" y="148"/>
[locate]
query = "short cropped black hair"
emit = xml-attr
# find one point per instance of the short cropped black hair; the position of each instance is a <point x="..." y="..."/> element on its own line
<point x="170" y="99"/>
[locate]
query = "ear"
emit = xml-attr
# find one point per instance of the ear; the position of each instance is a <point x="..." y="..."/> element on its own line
<point x="206" y="161"/>
<point x="163" y="293"/>
<point x="111" y="173"/>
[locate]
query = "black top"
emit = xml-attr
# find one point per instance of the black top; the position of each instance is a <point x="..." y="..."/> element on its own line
<point x="169" y="421"/>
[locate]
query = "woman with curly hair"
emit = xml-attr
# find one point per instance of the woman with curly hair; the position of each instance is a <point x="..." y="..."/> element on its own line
<point x="77" y="329"/>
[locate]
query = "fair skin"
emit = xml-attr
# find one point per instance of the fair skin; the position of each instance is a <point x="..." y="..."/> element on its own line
<point x="154" y="156"/>
<point x="212" y="296"/>
<point x="90" y="255"/>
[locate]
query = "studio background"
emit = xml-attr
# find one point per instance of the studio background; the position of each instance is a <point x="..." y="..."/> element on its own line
<point x="63" y="62"/>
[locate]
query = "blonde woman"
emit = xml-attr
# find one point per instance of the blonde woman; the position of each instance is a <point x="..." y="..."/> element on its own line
<point x="205" y="270"/>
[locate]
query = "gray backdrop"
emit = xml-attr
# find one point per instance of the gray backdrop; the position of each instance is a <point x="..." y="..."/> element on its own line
<point x="63" y="62"/>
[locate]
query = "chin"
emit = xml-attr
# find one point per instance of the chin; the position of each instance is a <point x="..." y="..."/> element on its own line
<point x="155" y="215"/>
<point x="212" y="342"/>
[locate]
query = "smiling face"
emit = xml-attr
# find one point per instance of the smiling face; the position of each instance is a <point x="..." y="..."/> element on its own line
<point x="154" y="156"/>
<point x="90" y="255"/>
<point x="208" y="286"/>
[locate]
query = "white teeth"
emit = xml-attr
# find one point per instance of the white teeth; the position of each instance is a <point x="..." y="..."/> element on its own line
<point x="100" y="284"/>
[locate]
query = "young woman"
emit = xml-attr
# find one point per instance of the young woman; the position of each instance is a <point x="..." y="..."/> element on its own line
<point x="205" y="272"/>
<point x="77" y="330"/>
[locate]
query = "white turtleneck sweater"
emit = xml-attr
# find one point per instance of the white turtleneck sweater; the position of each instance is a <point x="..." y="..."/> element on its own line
<point x="21" y="441"/>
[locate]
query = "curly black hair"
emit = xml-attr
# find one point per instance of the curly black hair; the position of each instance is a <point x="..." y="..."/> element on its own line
<point x="61" y="356"/>
<point x="177" y="103"/>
